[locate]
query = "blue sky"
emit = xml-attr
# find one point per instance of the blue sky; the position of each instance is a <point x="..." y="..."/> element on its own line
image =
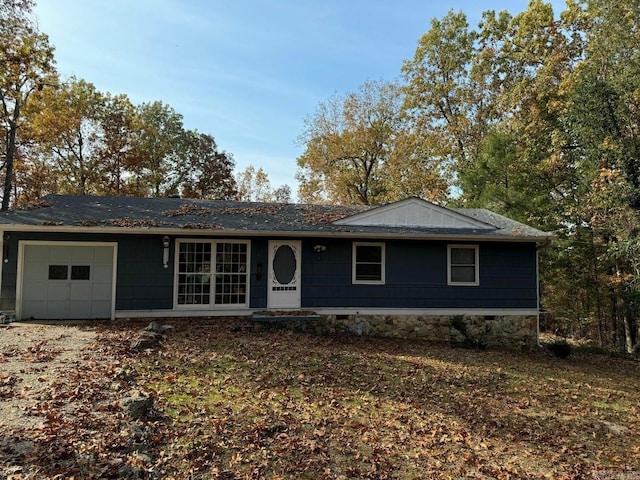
<point x="247" y="72"/>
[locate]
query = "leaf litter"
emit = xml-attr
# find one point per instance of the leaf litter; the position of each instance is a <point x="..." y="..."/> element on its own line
<point x="233" y="400"/>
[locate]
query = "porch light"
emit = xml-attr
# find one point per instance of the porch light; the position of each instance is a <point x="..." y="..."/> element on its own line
<point x="319" y="248"/>
<point x="165" y="253"/>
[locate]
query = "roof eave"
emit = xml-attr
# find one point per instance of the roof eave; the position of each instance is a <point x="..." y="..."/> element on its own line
<point x="540" y="240"/>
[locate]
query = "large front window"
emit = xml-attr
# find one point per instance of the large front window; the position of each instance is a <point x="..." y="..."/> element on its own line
<point x="212" y="272"/>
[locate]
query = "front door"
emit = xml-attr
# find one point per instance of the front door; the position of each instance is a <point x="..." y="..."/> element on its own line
<point x="284" y="274"/>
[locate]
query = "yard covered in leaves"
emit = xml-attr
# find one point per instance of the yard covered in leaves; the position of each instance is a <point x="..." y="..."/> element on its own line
<point x="233" y="401"/>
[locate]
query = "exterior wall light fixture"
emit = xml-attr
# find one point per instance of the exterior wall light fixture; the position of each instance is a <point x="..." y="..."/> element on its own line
<point x="5" y="247"/>
<point x="165" y="252"/>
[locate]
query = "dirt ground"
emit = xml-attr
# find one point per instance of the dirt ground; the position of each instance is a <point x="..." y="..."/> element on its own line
<point x="33" y="358"/>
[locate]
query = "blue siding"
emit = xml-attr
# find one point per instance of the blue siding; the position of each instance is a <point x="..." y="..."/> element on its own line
<point x="259" y="273"/>
<point x="9" y="276"/>
<point x="416" y="274"/>
<point x="416" y="277"/>
<point x="142" y="281"/>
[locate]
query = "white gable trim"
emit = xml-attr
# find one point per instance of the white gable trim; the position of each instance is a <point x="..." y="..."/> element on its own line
<point x="414" y="212"/>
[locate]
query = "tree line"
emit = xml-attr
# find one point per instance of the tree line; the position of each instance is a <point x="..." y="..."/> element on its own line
<point x="65" y="136"/>
<point x="535" y="116"/>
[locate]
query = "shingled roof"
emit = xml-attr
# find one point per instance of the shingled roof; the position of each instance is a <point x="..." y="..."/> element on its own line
<point x="164" y="215"/>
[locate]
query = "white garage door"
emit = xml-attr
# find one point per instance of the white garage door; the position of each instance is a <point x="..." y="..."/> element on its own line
<point x="67" y="281"/>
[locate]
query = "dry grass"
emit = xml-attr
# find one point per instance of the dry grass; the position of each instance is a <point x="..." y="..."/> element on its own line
<point x="235" y="402"/>
<point x="275" y="404"/>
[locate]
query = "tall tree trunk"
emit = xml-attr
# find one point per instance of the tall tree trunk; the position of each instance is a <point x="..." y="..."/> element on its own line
<point x="628" y="333"/>
<point x="596" y="297"/>
<point x="614" y="318"/>
<point x="8" y="166"/>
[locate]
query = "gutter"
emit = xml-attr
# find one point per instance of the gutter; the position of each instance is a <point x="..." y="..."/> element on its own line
<point x="180" y="232"/>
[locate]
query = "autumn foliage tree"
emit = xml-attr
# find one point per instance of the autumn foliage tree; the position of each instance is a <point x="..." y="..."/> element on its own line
<point x="533" y="115"/>
<point x="115" y="152"/>
<point x="255" y="186"/>
<point x="26" y="66"/>
<point x="68" y="137"/>
<point x="360" y="150"/>
<point x="83" y="141"/>
<point x="209" y="172"/>
<point x="65" y="125"/>
<point x="536" y="116"/>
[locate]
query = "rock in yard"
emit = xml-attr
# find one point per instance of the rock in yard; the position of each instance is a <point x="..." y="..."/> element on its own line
<point x="614" y="428"/>
<point x="157" y="328"/>
<point x="138" y="404"/>
<point x="150" y="337"/>
<point x="147" y="339"/>
<point x="130" y="472"/>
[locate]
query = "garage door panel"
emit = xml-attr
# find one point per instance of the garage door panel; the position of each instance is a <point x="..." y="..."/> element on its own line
<point x="80" y="291"/>
<point x="37" y="291"/>
<point x="100" y="309"/>
<point x="36" y="271"/>
<point x="87" y="293"/>
<point x="37" y="253"/>
<point x="57" y="310"/>
<point x="103" y="255"/>
<point x="102" y="273"/>
<point x="37" y="309"/>
<point x="57" y="290"/>
<point x="101" y="291"/>
<point x="82" y="255"/>
<point x="80" y="309"/>
<point x="61" y="255"/>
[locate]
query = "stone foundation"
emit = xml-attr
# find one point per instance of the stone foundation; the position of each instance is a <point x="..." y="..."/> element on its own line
<point x="517" y="332"/>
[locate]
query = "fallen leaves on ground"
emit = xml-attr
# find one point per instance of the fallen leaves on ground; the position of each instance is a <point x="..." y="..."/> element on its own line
<point x="235" y="401"/>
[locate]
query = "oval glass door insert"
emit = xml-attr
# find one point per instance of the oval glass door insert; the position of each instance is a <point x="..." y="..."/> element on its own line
<point x="284" y="264"/>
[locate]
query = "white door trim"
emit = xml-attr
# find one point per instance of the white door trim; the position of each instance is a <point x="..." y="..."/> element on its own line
<point x="19" y="273"/>
<point x="271" y="295"/>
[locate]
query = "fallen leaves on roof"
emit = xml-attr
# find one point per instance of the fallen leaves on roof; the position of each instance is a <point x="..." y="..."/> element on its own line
<point x="48" y="223"/>
<point x="34" y="204"/>
<point x="189" y="209"/>
<point x="202" y="226"/>
<point x="272" y="209"/>
<point x="314" y="215"/>
<point x="133" y="223"/>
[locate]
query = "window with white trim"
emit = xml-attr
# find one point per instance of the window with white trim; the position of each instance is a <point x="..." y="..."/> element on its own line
<point x="368" y="262"/>
<point x="212" y="273"/>
<point x="462" y="265"/>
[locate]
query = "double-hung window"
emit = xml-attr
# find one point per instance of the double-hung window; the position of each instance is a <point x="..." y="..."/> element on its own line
<point x="212" y="273"/>
<point x="462" y="265"/>
<point x="368" y="263"/>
